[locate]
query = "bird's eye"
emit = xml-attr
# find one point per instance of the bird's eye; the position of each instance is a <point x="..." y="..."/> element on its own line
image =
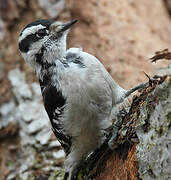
<point x="41" y="33"/>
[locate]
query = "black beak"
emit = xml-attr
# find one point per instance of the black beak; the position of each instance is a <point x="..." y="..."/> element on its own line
<point x="67" y="25"/>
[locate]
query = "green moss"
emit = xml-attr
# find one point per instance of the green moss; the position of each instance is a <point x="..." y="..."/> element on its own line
<point x="80" y="176"/>
<point x="161" y="130"/>
<point x="150" y="146"/>
<point x="135" y="115"/>
<point x="168" y="117"/>
<point x="30" y="177"/>
<point x="10" y="164"/>
<point x="58" y="174"/>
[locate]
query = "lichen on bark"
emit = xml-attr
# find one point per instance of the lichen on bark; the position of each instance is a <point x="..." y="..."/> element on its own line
<point x="154" y="147"/>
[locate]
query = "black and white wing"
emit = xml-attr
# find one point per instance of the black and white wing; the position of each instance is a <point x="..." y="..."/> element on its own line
<point x="54" y="104"/>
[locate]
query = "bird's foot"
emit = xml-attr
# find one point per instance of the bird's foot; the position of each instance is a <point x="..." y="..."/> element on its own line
<point x="71" y="175"/>
<point x="136" y="88"/>
<point x="74" y="172"/>
<point x="66" y="176"/>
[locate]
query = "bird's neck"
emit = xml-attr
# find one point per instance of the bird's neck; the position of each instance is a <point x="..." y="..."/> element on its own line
<point x="51" y="58"/>
<point x="48" y="70"/>
<point x="58" y="49"/>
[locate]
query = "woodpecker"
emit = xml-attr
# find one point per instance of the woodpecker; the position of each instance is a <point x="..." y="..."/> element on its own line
<point x="78" y="92"/>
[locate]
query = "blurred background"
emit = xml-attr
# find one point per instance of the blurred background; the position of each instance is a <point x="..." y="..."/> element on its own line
<point x="122" y="34"/>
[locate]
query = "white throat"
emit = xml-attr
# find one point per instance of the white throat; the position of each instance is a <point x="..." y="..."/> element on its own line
<point x="57" y="50"/>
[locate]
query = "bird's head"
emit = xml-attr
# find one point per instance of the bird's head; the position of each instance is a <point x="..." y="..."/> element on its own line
<point x="44" y="37"/>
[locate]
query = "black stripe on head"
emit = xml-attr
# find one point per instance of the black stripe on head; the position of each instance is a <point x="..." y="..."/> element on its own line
<point x="43" y="22"/>
<point x="27" y="41"/>
<point x="31" y="38"/>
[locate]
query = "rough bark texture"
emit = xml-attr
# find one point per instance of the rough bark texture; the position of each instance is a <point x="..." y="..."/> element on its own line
<point x="153" y="130"/>
<point x="123" y="35"/>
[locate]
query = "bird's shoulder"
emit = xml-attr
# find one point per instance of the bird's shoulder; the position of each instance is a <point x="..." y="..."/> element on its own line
<point x="77" y="55"/>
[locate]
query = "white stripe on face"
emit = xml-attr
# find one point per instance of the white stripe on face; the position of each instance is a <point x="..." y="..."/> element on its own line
<point x="30" y="30"/>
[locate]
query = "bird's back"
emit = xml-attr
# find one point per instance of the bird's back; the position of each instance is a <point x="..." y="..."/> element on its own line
<point x="97" y="71"/>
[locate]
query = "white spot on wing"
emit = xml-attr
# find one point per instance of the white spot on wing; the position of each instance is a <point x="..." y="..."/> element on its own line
<point x="75" y="50"/>
<point x="57" y="110"/>
<point x="55" y="121"/>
